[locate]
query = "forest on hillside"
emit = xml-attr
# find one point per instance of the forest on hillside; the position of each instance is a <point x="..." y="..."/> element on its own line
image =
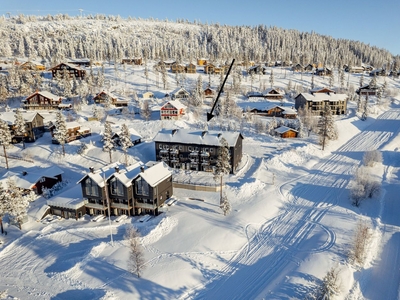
<point x="111" y="38"/>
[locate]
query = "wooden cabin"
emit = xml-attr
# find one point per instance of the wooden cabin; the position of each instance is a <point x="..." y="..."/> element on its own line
<point x="286" y="132"/>
<point x="67" y="68"/>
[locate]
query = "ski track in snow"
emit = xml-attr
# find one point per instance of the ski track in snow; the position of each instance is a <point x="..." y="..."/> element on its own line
<point x="275" y="247"/>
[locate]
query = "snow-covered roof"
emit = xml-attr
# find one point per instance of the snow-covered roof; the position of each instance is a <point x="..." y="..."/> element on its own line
<point x="269" y="90"/>
<point x="156" y="173"/>
<point x="9" y="116"/>
<point x="198" y="137"/>
<point x="324" y="97"/>
<point x="283" y="129"/>
<point x="175" y="103"/>
<point x="102" y="174"/>
<point x="26" y="180"/>
<point x="73" y="124"/>
<point x="177" y="90"/>
<point x="71" y="199"/>
<point x="126" y="175"/>
<point x="110" y="94"/>
<point x="319" y="89"/>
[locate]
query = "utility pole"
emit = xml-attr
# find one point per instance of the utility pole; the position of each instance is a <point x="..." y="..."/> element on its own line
<point x="108" y="208"/>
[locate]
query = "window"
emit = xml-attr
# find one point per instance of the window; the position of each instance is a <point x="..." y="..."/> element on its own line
<point x="42" y="180"/>
<point x="142" y="187"/>
<point x="211" y="149"/>
<point x="91" y="188"/>
<point x="116" y="187"/>
<point x="190" y="148"/>
<point x="180" y="148"/>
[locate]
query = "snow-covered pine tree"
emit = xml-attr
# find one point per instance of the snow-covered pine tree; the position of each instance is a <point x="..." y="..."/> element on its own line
<point x="20" y="126"/>
<point x="326" y="126"/>
<point x="223" y="164"/>
<point x="18" y="204"/>
<point x="271" y="78"/>
<point x="145" y="110"/>
<point x="226" y="205"/>
<point x="108" y="143"/>
<point x="61" y="132"/>
<point x="125" y="140"/>
<point x="5" y="138"/>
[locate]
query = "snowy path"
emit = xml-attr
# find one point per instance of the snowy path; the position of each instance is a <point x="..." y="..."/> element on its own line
<point x="280" y="245"/>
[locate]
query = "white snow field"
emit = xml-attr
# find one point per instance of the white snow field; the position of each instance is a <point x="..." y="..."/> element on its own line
<point x="291" y="222"/>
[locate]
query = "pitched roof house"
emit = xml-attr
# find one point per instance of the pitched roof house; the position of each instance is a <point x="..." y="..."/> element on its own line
<point x="179" y="93"/>
<point x="33" y="121"/>
<point x="35" y="179"/>
<point x="172" y="110"/>
<point x="132" y="190"/>
<point x="286" y="132"/>
<point x="71" y="69"/>
<point x="45" y="100"/>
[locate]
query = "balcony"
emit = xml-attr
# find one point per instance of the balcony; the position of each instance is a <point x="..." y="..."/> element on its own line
<point x="174" y="151"/>
<point x="204" y="154"/>
<point x="145" y="205"/>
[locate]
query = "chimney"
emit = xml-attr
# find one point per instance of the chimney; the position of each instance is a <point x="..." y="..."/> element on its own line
<point x="91" y="169"/>
<point x="142" y="169"/>
<point x="203" y="133"/>
<point x="116" y="169"/>
<point x="24" y="173"/>
<point x="174" y="131"/>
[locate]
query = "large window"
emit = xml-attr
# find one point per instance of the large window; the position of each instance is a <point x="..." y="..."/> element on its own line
<point x="116" y="187"/>
<point x="142" y="187"/>
<point x="91" y="188"/>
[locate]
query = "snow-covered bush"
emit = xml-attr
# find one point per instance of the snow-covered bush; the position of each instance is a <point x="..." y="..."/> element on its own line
<point x="48" y="193"/>
<point x="363" y="186"/>
<point x="362" y="237"/>
<point x="372" y="157"/>
<point x="82" y="149"/>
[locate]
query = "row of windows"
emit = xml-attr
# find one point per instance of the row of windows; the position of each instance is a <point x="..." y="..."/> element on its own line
<point x="190" y="148"/>
<point x="117" y="188"/>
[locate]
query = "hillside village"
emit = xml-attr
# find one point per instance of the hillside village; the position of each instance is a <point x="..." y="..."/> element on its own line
<point x="116" y="142"/>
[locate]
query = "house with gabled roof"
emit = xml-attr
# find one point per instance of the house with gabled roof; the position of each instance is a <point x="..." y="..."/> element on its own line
<point x="324" y="90"/>
<point x="273" y="94"/>
<point x="209" y="92"/>
<point x="278" y="111"/>
<point x="35" y="179"/>
<point x="257" y="69"/>
<point x="191" y="68"/>
<point x="66" y="68"/>
<point x="135" y="137"/>
<point x="195" y="149"/>
<point x="45" y="100"/>
<point x="178" y="68"/>
<point x="132" y="190"/>
<point x="298" y="68"/>
<point x="172" y="110"/>
<point x="32" y="66"/>
<point x="367" y="89"/>
<point x="34" y="125"/>
<point x="286" y="132"/>
<point x="316" y="102"/>
<point x="179" y="93"/>
<point x="323" y="71"/>
<point x="75" y="131"/>
<point x="107" y="97"/>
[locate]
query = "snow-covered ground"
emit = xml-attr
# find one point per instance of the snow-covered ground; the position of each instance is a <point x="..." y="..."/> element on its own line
<point x="291" y="221"/>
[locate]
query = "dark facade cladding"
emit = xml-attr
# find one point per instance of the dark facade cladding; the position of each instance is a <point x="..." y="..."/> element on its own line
<point x="196" y="156"/>
<point x="138" y="196"/>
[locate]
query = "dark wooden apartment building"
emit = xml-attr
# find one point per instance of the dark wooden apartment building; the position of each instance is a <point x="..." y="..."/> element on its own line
<point x="195" y="149"/>
<point x="136" y="189"/>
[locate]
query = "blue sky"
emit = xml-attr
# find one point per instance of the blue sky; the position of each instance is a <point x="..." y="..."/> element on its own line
<point x="373" y="22"/>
